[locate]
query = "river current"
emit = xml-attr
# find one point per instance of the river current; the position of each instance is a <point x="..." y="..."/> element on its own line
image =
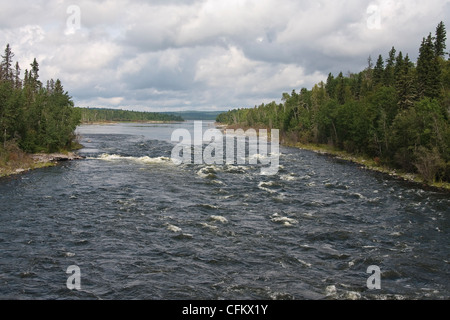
<point x="140" y="227"/>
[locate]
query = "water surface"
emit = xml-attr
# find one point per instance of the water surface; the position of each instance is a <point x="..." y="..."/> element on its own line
<point x="140" y="227"/>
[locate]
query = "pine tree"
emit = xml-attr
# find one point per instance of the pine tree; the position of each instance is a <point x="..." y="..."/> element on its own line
<point x="378" y="71"/>
<point x="340" y="88"/>
<point x="398" y="65"/>
<point x="330" y="86"/>
<point x="7" y="71"/>
<point x="17" y="81"/>
<point x="357" y="88"/>
<point x="389" y="77"/>
<point x="405" y="84"/>
<point x="441" y="37"/>
<point x="34" y="76"/>
<point x="428" y="70"/>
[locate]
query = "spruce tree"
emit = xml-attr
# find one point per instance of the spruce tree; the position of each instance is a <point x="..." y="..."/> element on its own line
<point x="34" y="76"/>
<point x="340" y="88"/>
<point x="441" y="37"/>
<point x="389" y="77"/>
<point x="398" y="65"/>
<point x="7" y="71"/>
<point x="17" y="81"/>
<point x="378" y="71"/>
<point x="330" y="86"/>
<point x="405" y="84"/>
<point x="428" y="70"/>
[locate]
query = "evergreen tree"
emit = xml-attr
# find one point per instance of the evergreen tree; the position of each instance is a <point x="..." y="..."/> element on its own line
<point x="378" y="71"/>
<point x="358" y="86"/>
<point x="389" y="111"/>
<point x="398" y="65"/>
<point x="330" y="86"/>
<point x="17" y="81"/>
<point x="34" y="76"/>
<point x="340" y="88"/>
<point x="428" y="70"/>
<point x="31" y="117"/>
<point x="441" y="37"/>
<point x="405" y="84"/>
<point x="7" y="62"/>
<point x="389" y="76"/>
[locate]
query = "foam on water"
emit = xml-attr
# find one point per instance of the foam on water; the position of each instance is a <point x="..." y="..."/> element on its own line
<point x="208" y="226"/>
<point x="146" y="159"/>
<point x="129" y="228"/>
<point x="173" y="228"/>
<point x="308" y="265"/>
<point x="265" y="186"/>
<point x="287" y="177"/>
<point x="288" y="222"/>
<point x="219" y="219"/>
<point x="208" y="172"/>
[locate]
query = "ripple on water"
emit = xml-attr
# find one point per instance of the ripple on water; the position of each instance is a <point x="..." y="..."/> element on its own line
<point x="205" y="231"/>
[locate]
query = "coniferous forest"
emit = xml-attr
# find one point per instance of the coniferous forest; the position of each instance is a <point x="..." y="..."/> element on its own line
<point x="33" y="117"/>
<point x="395" y="111"/>
<point x="90" y="115"/>
<point x="38" y="118"/>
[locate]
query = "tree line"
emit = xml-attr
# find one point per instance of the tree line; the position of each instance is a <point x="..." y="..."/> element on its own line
<point x="394" y="111"/>
<point x="34" y="117"/>
<point x="90" y="115"/>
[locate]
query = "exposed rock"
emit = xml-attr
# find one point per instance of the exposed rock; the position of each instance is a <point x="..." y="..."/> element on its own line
<point x="56" y="157"/>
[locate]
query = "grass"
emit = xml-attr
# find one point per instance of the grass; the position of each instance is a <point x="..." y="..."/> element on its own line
<point x="15" y="161"/>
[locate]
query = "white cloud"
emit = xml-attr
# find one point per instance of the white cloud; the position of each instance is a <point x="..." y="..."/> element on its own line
<point x="207" y="53"/>
<point x="115" y="101"/>
<point x="231" y="69"/>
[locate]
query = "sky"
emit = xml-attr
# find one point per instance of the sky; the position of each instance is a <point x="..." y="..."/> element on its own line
<point x="208" y="55"/>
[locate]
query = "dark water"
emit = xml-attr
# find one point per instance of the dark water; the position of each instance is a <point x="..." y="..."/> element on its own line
<point x="140" y="227"/>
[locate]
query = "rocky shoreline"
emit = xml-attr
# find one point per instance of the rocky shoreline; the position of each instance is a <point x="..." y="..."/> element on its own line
<point x="368" y="164"/>
<point x="55" y="157"/>
<point x="36" y="161"/>
<point x="365" y="163"/>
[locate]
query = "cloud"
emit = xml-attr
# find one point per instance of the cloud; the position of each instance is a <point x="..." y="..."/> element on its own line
<point x="207" y="54"/>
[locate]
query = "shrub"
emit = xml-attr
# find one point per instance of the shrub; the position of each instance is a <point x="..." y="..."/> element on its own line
<point x="428" y="163"/>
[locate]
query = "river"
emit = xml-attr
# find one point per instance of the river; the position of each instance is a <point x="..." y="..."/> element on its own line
<point x="140" y="227"/>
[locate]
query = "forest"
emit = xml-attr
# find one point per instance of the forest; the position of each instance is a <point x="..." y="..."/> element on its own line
<point x="33" y="117"/>
<point x="395" y="111"/>
<point x="91" y="115"/>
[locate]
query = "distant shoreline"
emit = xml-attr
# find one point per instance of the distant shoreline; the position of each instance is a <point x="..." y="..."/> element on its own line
<point x="126" y="121"/>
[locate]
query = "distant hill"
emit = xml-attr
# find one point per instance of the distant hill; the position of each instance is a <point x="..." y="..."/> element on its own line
<point x="195" y="115"/>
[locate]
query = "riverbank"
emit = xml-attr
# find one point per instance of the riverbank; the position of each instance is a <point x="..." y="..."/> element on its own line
<point x="23" y="162"/>
<point x="368" y="164"/>
<point x="364" y="162"/>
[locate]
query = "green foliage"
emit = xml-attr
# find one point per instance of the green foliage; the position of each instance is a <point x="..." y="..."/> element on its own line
<point x="89" y="115"/>
<point x="428" y="70"/>
<point x="441" y="37"/>
<point x="35" y="118"/>
<point x="395" y="111"/>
